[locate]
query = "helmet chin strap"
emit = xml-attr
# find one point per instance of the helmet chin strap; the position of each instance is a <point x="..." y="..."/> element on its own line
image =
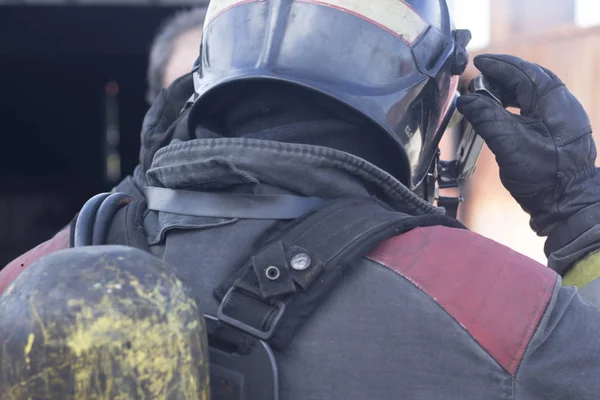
<point x="447" y="179"/>
<point x="444" y="174"/>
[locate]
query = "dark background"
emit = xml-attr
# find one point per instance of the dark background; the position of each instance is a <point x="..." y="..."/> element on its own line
<point x="54" y="65"/>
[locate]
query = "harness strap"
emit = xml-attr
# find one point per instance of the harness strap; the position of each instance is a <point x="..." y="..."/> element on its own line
<point x="276" y="291"/>
<point x="271" y="296"/>
<point x="229" y="205"/>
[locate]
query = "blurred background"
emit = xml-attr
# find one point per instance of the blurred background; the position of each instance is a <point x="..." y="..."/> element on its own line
<point x="74" y="85"/>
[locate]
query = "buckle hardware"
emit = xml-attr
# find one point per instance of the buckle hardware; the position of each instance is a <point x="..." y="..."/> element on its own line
<point x="264" y="335"/>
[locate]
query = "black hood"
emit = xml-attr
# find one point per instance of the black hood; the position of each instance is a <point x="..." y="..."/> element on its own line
<point x="267" y="111"/>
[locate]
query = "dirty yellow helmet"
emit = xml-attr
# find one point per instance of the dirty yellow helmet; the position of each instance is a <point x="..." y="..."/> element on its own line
<point x="101" y="322"/>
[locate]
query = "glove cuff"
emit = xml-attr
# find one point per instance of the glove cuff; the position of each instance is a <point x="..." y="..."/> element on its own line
<point x="573" y="227"/>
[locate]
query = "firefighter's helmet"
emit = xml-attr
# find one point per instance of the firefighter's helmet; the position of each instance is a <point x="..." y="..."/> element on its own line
<point x="101" y="322"/>
<point x="394" y="61"/>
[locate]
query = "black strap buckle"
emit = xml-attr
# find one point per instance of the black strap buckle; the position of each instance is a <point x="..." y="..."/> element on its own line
<point x="264" y="335"/>
<point x="450" y="204"/>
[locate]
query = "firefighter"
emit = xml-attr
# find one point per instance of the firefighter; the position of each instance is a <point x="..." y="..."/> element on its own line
<point x="284" y="180"/>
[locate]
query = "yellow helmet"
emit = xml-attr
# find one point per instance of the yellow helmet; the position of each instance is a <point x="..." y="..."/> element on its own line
<point x="101" y="322"/>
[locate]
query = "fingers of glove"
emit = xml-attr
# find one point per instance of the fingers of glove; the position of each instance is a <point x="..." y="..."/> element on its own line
<point x="479" y="109"/>
<point x="529" y="192"/>
<point x="493" y="123"/>
<point x="550" y="74"/>
<point x="528" y="81"/>
<point x="576" y="160"/>
<point x="564" y="116"/>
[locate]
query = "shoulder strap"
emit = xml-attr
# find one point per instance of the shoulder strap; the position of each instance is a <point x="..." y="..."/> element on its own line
<point x="276" y="291"/>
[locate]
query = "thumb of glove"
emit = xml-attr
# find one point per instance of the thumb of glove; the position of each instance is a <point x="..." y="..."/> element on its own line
<point x="488" y="117"/>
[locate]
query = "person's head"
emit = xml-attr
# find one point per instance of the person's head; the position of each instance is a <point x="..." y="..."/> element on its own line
<point x="174" y="49"/>
<point x="394" y="62"/>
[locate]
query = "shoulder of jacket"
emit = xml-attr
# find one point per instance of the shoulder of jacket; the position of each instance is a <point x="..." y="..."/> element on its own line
<point x="496" y="294"/>
<point x="59" y="242"/>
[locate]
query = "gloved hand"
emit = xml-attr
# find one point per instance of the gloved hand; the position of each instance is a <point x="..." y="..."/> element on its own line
<point x="546" y="154"/>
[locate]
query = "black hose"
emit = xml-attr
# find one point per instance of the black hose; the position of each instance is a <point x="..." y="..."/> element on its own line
<point x="105" y="214"/>
<point x="84" y="226"/>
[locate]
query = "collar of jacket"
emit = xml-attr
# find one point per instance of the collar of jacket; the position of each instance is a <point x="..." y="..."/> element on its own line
<point x="269" y="166"/>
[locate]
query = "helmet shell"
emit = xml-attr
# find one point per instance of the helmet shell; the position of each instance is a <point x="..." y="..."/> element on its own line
<point x="394" y="61"/>
<point x="101" y="322"/>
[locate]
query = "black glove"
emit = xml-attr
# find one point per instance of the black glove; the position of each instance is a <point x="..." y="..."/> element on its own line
<point x="547" y="154"/>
